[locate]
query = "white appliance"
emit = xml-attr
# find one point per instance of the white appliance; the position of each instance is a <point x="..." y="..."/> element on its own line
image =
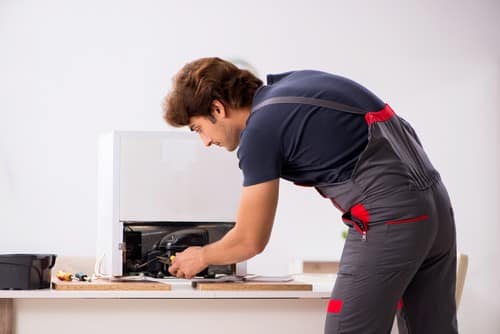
<point x="161" y="177"/>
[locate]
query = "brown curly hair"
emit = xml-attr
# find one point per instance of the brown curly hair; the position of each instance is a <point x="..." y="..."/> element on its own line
<point x="201" y="82"/>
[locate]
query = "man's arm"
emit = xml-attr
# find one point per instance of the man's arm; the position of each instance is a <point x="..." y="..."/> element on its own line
<point x="253" y="227"/>
<point x="246" y="239"/>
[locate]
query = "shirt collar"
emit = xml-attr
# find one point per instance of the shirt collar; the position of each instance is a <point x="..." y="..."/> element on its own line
<point x="274" y="78"/>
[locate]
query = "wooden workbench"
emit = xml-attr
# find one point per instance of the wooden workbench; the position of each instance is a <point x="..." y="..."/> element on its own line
<point x="6" y="316"/>
<point x="106" y="285"/>
<point x="23" y="311"/>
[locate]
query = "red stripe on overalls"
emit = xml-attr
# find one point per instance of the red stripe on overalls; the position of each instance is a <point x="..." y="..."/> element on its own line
<point x="335" y="305"/>
<point x="360" y="212"/>
<point x="361" y="216"/>
<point x="380" y="115"/>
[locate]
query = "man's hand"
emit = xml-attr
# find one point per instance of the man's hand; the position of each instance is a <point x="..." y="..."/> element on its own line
<point x="188" y="263"/>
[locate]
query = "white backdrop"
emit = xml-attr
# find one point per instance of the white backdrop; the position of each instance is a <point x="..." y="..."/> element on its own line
<point x="70" y="70"/>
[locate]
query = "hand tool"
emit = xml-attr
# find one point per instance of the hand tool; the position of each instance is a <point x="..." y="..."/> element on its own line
<point x="166" y="260"/>
<point x="64" y="276"/>
<point x="82" y="276"/>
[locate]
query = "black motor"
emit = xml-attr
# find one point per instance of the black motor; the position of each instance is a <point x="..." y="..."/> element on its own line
<point x="157" y="260"/>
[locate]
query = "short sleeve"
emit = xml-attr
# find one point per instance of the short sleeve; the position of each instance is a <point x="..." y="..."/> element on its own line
<point x="259" y="155"/>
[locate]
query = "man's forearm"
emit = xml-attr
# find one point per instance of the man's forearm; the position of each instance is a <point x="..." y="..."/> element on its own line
<point x="232" y="248"/>
<point x="252" y="230"/>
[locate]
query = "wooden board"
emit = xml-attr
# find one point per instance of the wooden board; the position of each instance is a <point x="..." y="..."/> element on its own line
<point x="105" y="285"/>
<point x="254" y="286"/>
<point x="6" y="316"/>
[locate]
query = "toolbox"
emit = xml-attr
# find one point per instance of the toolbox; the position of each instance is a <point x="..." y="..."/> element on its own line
<point x="26" y="271"/>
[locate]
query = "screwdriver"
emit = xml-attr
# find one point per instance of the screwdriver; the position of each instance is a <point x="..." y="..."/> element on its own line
<point x="82" y="276"/>
<point x="166" y="260"/>
<point x="64" y="276"/>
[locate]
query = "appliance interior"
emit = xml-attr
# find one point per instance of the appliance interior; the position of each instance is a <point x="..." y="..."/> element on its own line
<point x="149" y="246"/>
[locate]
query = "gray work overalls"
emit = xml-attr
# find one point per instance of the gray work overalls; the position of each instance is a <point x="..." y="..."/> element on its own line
<point x="400" y="252"/>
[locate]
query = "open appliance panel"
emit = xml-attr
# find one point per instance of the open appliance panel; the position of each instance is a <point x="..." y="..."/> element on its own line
<point x="148" y="246"/>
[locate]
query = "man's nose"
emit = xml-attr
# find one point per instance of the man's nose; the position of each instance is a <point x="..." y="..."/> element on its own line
<point x="206" y="140"/>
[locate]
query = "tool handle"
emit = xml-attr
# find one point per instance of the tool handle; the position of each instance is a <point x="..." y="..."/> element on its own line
<point x="81" y="276"/>
<point x="64" y="276"/>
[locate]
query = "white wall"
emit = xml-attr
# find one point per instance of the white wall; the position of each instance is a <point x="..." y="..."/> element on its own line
<point x="71" y="70"/>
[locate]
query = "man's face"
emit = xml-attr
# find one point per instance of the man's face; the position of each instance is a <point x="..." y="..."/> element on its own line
<point x="216" y="130"/>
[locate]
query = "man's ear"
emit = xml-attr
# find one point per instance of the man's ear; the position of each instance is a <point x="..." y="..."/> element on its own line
<point x="218" y="110"/>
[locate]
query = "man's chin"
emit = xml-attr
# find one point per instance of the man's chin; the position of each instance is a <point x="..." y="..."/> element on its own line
<point x="230" y="148"/>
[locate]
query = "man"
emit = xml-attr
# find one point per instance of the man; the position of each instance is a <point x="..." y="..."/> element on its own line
<point x="322" y="130"/>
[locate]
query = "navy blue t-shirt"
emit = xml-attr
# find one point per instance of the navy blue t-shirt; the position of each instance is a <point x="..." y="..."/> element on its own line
<point x="305" y="144"/>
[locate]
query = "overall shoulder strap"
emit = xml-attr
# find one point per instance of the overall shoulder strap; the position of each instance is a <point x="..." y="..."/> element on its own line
<point x="310" y="101"/>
